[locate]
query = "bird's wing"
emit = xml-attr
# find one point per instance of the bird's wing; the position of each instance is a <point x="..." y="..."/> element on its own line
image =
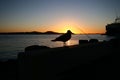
<point x="60" y="38"/>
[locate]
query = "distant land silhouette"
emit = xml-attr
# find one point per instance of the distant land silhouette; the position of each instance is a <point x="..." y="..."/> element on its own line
<point x="33" y="32"/>
<point x="36" y="32"/>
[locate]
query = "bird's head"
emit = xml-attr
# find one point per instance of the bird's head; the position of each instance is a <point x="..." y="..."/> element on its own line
<point x="68" y="31"/>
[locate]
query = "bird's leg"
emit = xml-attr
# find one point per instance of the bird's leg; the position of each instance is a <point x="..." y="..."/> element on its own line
<point x="64" y="44"/>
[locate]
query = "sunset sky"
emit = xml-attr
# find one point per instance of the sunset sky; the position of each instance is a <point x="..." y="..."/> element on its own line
<point x="90" y="16"/>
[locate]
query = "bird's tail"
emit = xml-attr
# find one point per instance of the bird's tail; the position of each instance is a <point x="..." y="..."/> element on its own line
<point x="53" y="40"/>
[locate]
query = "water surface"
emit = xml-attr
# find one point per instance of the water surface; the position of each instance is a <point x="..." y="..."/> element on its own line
<point x="10" y="45"/>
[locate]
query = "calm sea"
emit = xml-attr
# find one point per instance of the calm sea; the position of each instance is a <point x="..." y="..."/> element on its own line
<point x="11" y="45"/>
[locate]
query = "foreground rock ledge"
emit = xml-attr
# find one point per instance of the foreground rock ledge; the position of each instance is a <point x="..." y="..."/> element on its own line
<point x="69" y="63"/>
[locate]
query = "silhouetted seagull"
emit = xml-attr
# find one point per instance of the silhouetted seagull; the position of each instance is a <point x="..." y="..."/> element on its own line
<point x="65" y="37"/>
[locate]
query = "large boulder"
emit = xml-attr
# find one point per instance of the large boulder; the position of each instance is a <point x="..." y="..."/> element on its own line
<point x="93" y="41"/>
<point x="83" y="41"/>
<point x="115" y="42"/>
<point x="35" y="48"/>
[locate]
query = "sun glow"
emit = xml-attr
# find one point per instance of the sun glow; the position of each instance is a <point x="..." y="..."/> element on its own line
<point x="74" y="26"/>
<point x="68" y="42"/>
<point x="69" y="27"/>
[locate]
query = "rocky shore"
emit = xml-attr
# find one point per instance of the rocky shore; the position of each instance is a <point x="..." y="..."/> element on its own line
<point x="83" y="61"/>
<point x="8" y="69"/>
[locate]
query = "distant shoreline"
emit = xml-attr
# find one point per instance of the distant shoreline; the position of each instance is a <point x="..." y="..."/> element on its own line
<point x="33" y="32"/>
<point x="39" y="33"/>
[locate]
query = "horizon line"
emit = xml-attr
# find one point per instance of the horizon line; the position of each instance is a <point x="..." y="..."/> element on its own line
<point x="38" y="32"/>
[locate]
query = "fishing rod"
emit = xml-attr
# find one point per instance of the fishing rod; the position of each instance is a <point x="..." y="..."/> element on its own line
<point x="83" y="32"/>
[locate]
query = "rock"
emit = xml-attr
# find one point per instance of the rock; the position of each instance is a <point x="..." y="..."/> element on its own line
<point x="93" y="41"/>
<point x="115" y="42"/>
<point x="83" y="41"/>
<point x="35" y="47"/>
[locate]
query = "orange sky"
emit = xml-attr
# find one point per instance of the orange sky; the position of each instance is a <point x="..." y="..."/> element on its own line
<point x="79" y="16"/>
<point x="58" y="28"/>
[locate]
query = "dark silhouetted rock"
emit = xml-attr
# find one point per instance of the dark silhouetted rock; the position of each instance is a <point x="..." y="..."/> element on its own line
<point x="115" y="42"/>
<point x="113" y="29"/>
<point x="35" y="47"/>
<point x="93" y="41"/>
<point x="83" y="41"/>
<point x="66" y="63"/>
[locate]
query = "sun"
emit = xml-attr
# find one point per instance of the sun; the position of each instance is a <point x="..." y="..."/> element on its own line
<point x="69" y="27"/>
